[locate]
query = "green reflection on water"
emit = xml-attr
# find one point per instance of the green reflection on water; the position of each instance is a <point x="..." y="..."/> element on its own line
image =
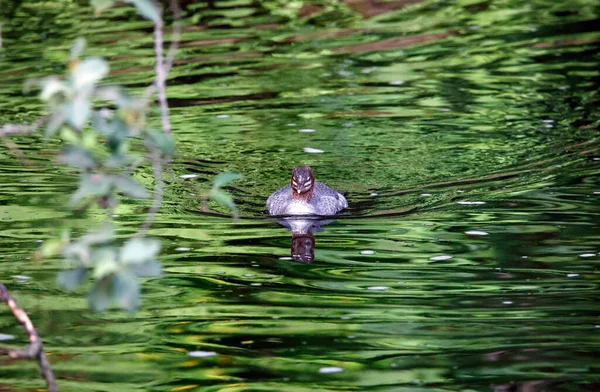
<point x="437" y="119"/>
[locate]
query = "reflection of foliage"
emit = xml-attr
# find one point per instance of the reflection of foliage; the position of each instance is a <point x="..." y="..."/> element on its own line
<point x="321" y="12"/>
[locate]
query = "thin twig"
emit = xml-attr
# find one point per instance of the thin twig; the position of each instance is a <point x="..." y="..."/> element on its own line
<point x="174" y="45"/>
<point x="14" y="148"/>
<point x="161" y="75"/>
<point x="175" y="37"/>
<point x="22" y="129"/>
<point x="159" y="188"/>
<point x="35" y="350"/>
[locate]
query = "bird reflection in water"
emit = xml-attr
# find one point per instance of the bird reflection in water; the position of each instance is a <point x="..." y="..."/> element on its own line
<point x="303" y="240"/>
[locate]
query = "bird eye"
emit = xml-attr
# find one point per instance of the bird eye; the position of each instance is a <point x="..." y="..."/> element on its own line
<point x="308" y="183"/>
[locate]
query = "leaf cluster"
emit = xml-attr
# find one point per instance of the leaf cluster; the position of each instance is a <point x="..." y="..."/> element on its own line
<point x="115" y="269"/>
<point x="102" y="128"/>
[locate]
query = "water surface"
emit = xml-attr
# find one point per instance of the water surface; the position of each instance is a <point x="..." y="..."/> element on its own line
<point x="464" y="135"/>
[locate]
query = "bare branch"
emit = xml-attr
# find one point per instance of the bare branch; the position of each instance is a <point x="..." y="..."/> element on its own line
<point x="175" y="37"/>
<point x="21" y="129"/>
<point x="159" y="188"/>
<point x="167" y="63"/>
<point x="12" y="146"/>
<point x="35" y="350"/>
<point x="161" y="75"/>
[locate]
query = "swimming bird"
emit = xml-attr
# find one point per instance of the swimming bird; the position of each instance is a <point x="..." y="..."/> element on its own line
<point x="305" y="196"/>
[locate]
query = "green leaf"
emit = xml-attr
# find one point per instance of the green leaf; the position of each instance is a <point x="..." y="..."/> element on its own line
<point x="69" y="135"/>
<point x="102" y="236"/>
<point x="79" y="253"/>
<point x="72" y="278"/>
<point x="148" y="269"/>
<point x="89" y="72"/>
<point x="77" y="48"/>
<point x="147" y="9"/>
<point x="105" y="262"/>
<point x="140" y="250"/>
<point x="53" y="89"/>
<point x="126" y="291"/>
<point x="77" y="112"/>
<point x="116" y="94"/>
<point x="51" y="248"/>
<point x="100" y="297"/>
<point x="225" y="178"/>
<point x="96" y="185"/>
<point x="223" y="198"/>
<point x="119" y="160"/>
<point x="130" y="187"/>
<point x="55" y="121"/>
<point x="79" y="157"/>
<point x="161" y="141"/>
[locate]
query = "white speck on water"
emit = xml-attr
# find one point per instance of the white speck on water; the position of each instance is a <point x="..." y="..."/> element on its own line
<point x="307" y="130"/>
<point x="311" y="150"/>
<point x="39" y="240"/>
<point x="378" y="288"/>
<point x="476" y="232"/>
<point x="549" y="125"/>
<point x="188" y="176"/>
<point x="332" y="369"/>
<point x="460" y="191"/>
<point x="345" y="317"/>
<point x="249" y="274"/>
<point x="507" y="302"/>
<point x="367" y="252"/>
<point x="255" y="284"/>
<point x="426" y="194"/>
<point x="115" y="215"/>
<point x="524" y="257"/>
<point x="548" y="121"/>
<point x="597" y="193"/>
<point x="366" y="71"/>
<point x="444" y="109"/>
<point x="397" y="82"/>
<point x="440" y="258"/>
<point x="21" y="277"/>
<point x="223" y="116"/>
<point x="470" y="202"/>
<point x="572" y="275"/>
<point x="563" y="88"/>
<point x="587" y="255"/>
<point x="202" y="354"/>
<point x="597" y="326"/>
<point x="475" y="27"/>
<point x="291" y="124"/>
<point x="373" y="194"/>
<point x="183" y="249"/>
<point x="285" y="258"/>
<point x="4" y="336"/>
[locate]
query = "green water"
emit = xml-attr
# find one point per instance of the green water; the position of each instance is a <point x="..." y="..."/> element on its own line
<point x="464" y="135"/>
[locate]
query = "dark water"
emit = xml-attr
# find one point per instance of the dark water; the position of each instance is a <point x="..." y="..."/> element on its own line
<point x="464" y="135"/>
